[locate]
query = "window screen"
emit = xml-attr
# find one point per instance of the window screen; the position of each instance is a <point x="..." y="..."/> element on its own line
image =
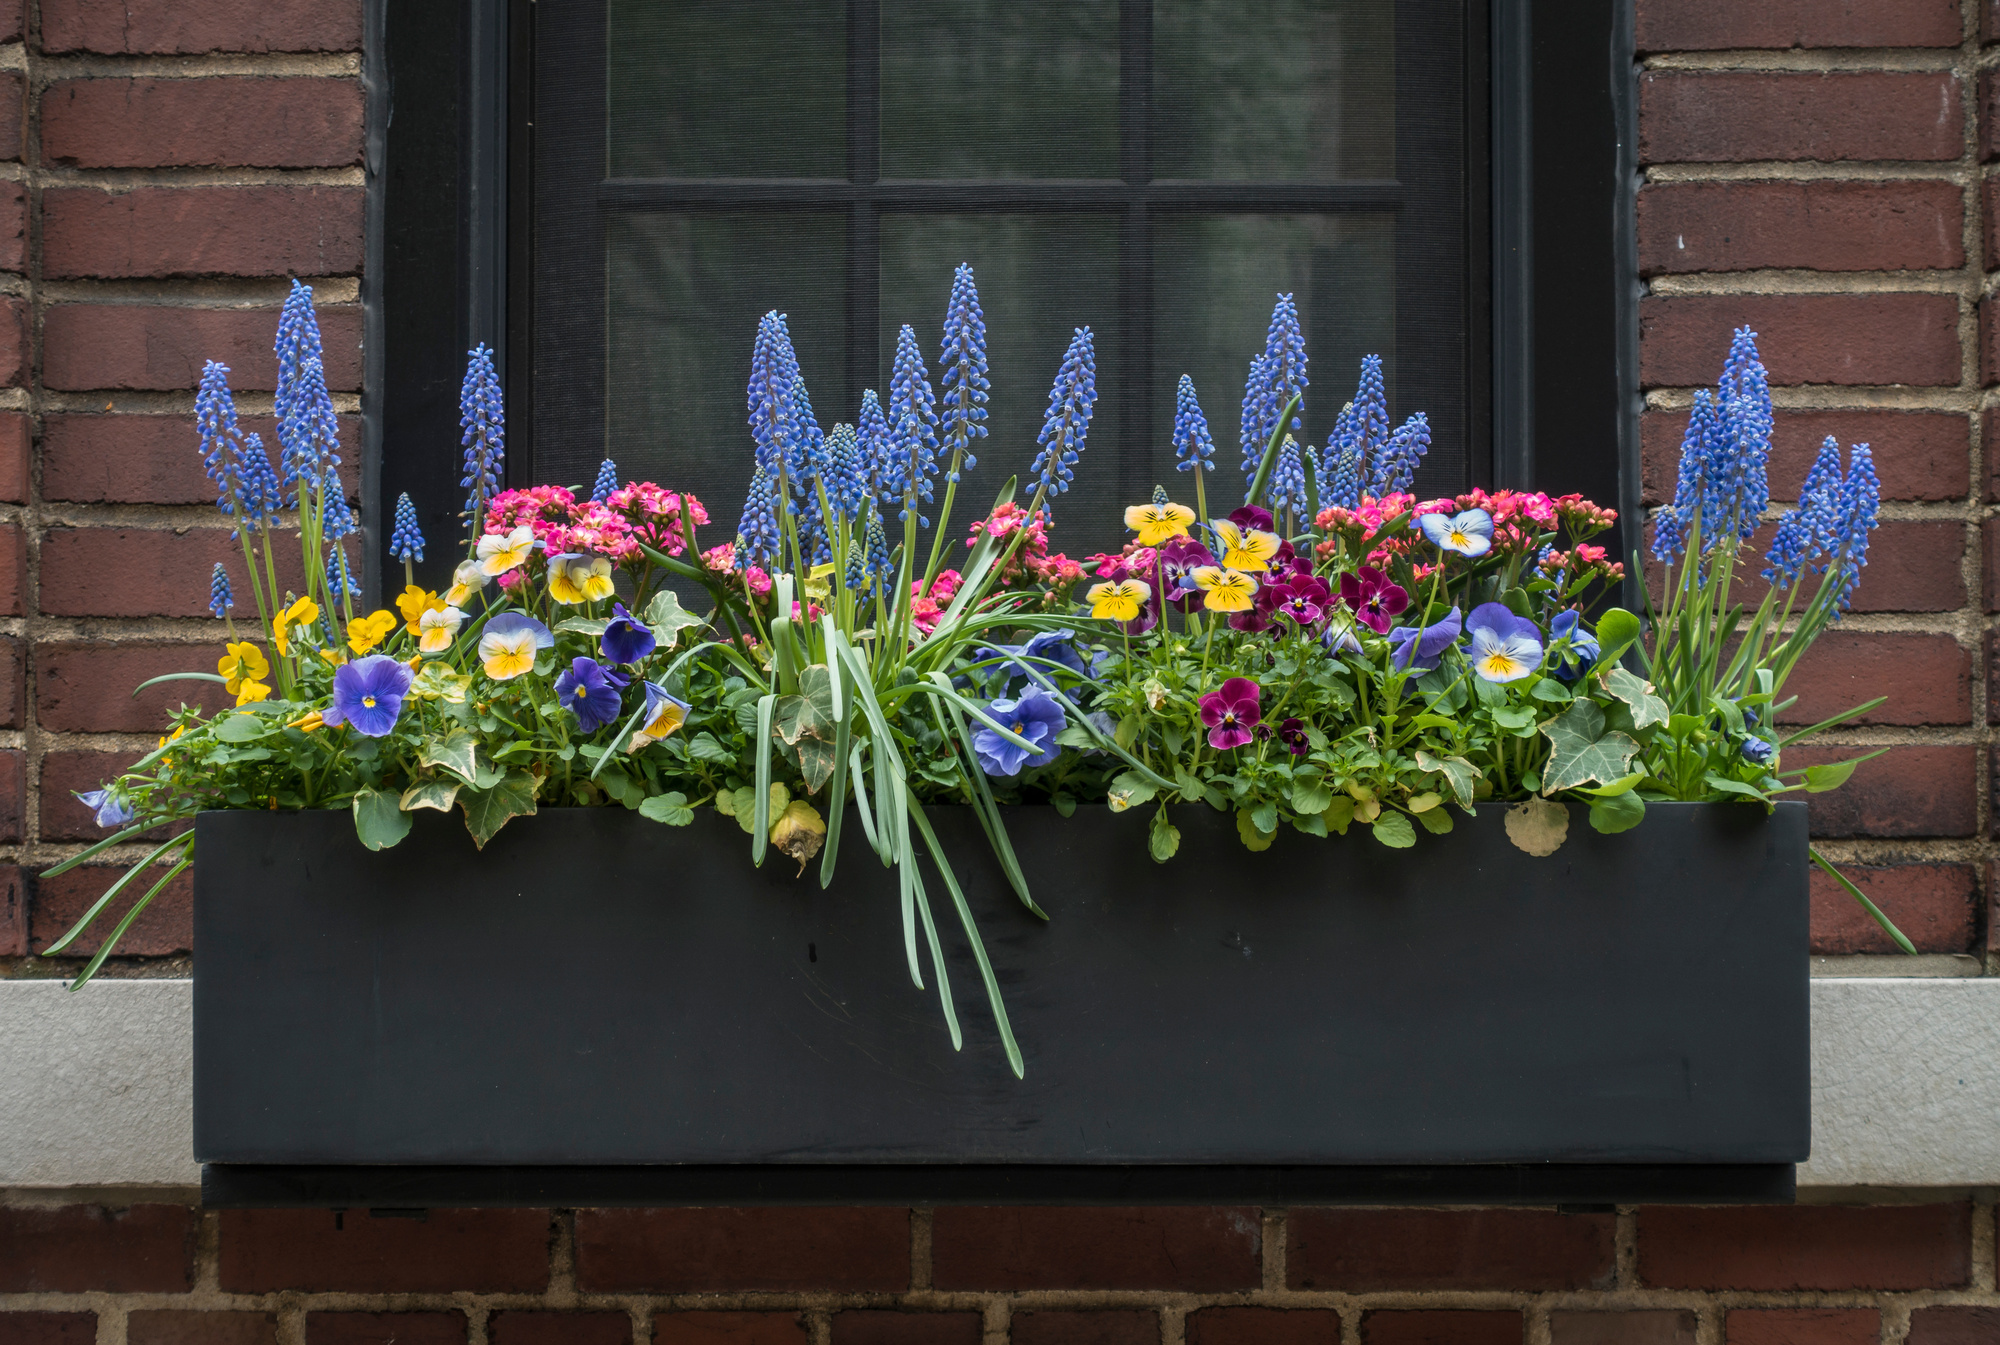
<point x="1157" y="170"/>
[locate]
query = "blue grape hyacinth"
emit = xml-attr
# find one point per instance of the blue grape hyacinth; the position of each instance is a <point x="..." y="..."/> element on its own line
<point x="846" y="479"/>
<point x="757" y="536"/>
<point x="406" y="541"/>
<point x="339" y="517"/>
<point x="607" y="481"/>
<point x="805" y="446"/>
<point x="913" y="416"/>
<point x="774" y="369"/>
<point x="308" y="429"/>
<point x="876" y="445"/>
<point x="222" y="443"/>
<point x="962" y="372"/>
<point x="1725" y="457"/>
<point x="1275" y="378"/>
<point x="220" y="599"/>
<point x="1194" y="446"/>
<point x="482" y="417"/>
<point x="1066" y="423"/>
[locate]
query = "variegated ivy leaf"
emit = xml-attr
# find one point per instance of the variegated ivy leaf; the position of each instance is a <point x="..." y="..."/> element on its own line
<point x="488" y="810"/>
<point x="438" y="794"/>
<point x="592" y="626"/>
<point x="667" y="618"/>
<point x="456" y="752"/>
<point x="1647" y="708"/>
<point x="1461" y="775"/>
<point x="1580" y="751"/>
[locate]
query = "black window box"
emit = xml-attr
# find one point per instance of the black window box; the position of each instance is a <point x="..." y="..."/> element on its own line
<point x="598" y="1009"/>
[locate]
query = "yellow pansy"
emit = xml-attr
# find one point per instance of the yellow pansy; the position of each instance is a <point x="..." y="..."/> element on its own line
<point x="507" y="646"/>
<point x="500" y="552"/>
<point x="576" y="579"/>
<point x="440" y="628"/>
<point x="466" y="580"/>
<point x="178" y="731"/>
<point x="1248" y="549"/>
<point x="251" y="691"/>
<point x="1155" y="523"/>
<point x="244" y="662"/>
<point x="413" y="602"/>
<point x="1117" y="599"/>
<point x="365" y="632"/>
<point x="668" y="714"/>
<point x="1224" y="590"/>
<point x="307" y="723"/>
<point x="301" y="613"/>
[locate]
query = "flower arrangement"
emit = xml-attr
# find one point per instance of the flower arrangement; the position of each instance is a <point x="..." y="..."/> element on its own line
<point x="1334" y="652"/>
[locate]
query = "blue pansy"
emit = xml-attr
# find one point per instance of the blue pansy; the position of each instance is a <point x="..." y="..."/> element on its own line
<point x="368" y="694"/>
<point x="1578" y="656"/>
<point x="1036" y="716"/>
<point x="111" y="807"/>
<point x="589" y="691"/>
<point x="626" y="639"/>
<point x="1422" y="648"/>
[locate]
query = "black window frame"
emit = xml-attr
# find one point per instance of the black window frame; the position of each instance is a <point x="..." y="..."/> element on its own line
<point x="1552" y="383"/>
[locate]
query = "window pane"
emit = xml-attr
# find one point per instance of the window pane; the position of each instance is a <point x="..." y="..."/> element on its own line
<point x="1040" y="277"/>
<point x="1274" y="90"/>
<point x="727" y="88"/>
<point x="999" y="88"/>
<point x="1215" y="278"/>
<point x="684" y="293"/>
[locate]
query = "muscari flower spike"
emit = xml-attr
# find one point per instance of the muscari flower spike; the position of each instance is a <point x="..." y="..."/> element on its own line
<point x="1397" y="470"/>
<point x="308" y="430"/>
<point x="1065" y="424"/>
<point x="875" y="444"/>
<point x="1861" y="497"/>
<point x="1194" y="446"/>
<point x="846" y="480"/>
<point x="1286" y="492"/>
<point x="962" y="371"/>
<point x="222" y="444"/>
<point x="913" y="413"/>
<point x="805" y="448"/>
<point x="339" y="581"/>
<point x="607" y="481"/>
<point x="757" y="536"/>
<point x="876" y="541"/>
<point x="406" y="540"/>
<point x="220" y="599"/>
<point x="263" y="492"/>
<point x="1725" y="456"/>
<point x="1274" y="379"/>
<point x="774" y="368"/>
<point x="339" y="517"/>
<point x="482" y="417"/>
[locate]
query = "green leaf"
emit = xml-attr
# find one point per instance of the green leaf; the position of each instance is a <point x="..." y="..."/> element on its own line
<point x="438" y="794"/>
<point x="1252" y="838"/>
<point x="1723" y="784"/>
<point x="1637" y="693"/>
<point x="1127" y="732"/>
<point x="240" y="728"/>
<point x="1888" y="926"/>
<point x="1834" y="774"/>
<point x="704" y="746"/>
<point x="379" y="819"/>
<point x="1310" y="795"/>
<point x="1437" y="821"/>
<point x="1539" y="826"/>
<point x="487" y="810"/>
<point x="1163" y="838"/>
<point x="1617" y="629"/>
<point x="1550" y="690"/>
<point x="1514" y="716"/>
<point x="742" y="807"/>
<point x="667" y="618"/>
<point x="1459" y="773"/>
<point x="671" y="809"/>
<point x="1580" y="751"/>
<point x="1621" y="785"/>
<point x="817" y="759"/>
<point x="593" y="626"/>
<point x="1428" y="721"/>
<point x="1614" y="813"/>
<point x="1393" y="829"/>
<point x="1129" y="790"/>
<point x="456" y="752"/>
<point x="1075" y="736"/>
<point x="1265" y="816"/>
<point x="1339" y="813"/>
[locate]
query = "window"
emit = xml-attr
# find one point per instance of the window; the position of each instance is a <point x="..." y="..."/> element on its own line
<point x="612" y="191"/>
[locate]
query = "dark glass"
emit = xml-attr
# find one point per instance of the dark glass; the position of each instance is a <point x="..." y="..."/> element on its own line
<point x="1215" y="280"/>
<point x="727" y="88"/>
<point x="1040" y="277"/>
<point x="999" y="88"/>
<point x="684" y="293"/>
<point x="1274" y="90"/>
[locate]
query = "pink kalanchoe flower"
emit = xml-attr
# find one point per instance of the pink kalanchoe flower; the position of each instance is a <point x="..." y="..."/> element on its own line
<point x="1375" y="600"/>
<point x="1230" y="712"/>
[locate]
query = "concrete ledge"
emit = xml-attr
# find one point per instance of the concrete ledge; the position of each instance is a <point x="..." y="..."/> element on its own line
<point x="95" y="1087"/>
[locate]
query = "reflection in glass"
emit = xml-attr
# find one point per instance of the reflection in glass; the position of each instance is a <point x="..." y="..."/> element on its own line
<point x="684" y="294"/>
<point x="1274" y="90"/>
<point x="727" y="88"/>
<point x="1215" y="278"/>
<point x="999" y="88"/>
<point x="1040" y="277"/>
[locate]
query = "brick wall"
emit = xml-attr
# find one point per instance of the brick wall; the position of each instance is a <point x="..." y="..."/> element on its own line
<point x="1815" y="168"/>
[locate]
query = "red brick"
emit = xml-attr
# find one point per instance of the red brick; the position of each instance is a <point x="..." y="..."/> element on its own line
<point x="139" y="27"/>
<point x="118" y="346"/>
<point x="482" y="1251"/>
<point x="1989" y="199"/>
<point x="1263" y="1326"/>
<point x="14" y="343"/>
<point x="559" y="1328"/>
<point x="1802" y="1326"/>
<point x="13" y="114"/>
<point x="15" y="451"/>
<point x="1135" y="1327"/>
<point x="1358" y="1251"/>
<point x="164" y="928"/>
<point x="1926" y="677"/>
<point x="1846" y="339"/>
<point x="1195" y="1249"/>
<point x="720" y="1250"/>
<point x="868" y="1327"/>
<point x="1909" y="791"/>
<point x="192" y="231"/>
<point x="1658" y="1327"/>
<point x="1914" y="565"/>
<point x="229" y="121"/>
<point x="1829" y="1247"/>
<point x="1936" y="905"/>
<point x="163" y="349"/>
<point x="1441" y="1328"/>
<point x="13" y="917"/>
<point x="1716" y="25"/>
<point x="130" y="459"/>
<point x="13" y="568"/>
<point x="148" y="571"/>
<point x="71" y="1249"/>
<point x="169" y="1327"/>
<point x="1989" y="344"/>
<point x="385" y="1328"/>
<point x="1815" y="226"/>
<point x="87" y="688"/>
<point x="13" y="794"/>
<point x="1958" y="1325"/>
<point x="48" y="1328"/>
<point x="67" y="772"/>
<point x="13" y="19"/>
<point x="13" y="227"/>
<point x="1732" y="117"/>
<point x="13" y="683"/>
<point x="729" y="1328"/>
<point x="1919" y="455"/>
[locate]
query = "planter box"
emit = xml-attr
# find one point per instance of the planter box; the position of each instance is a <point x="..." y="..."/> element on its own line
<point x="599" y="1008"/>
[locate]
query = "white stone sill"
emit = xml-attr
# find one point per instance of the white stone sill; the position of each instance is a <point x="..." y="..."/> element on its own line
<point x="96" y="1088"/>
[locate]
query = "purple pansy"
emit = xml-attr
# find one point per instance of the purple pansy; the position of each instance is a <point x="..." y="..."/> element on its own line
<point x="1230" y="711"/>
<point x="368" y="694"/>
<point x="589" y="690"/>
<point x="110" y="806"/>
<point x="1036" y="716"/>
<point x="626" y="638"/>
<point x="1412" y="647"/>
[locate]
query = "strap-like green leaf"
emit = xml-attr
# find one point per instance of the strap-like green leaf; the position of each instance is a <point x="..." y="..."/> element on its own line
<point x="1888" y="925"/>
<point x="118" y="931"/>
<point x="111" y="893"/>
<point x="760" y="825"/>
<point x="972" y="934"/>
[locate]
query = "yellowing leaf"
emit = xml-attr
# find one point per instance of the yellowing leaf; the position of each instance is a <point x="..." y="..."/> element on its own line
<point x="1253" y="839"/>
<point x="1539" y="826"/>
